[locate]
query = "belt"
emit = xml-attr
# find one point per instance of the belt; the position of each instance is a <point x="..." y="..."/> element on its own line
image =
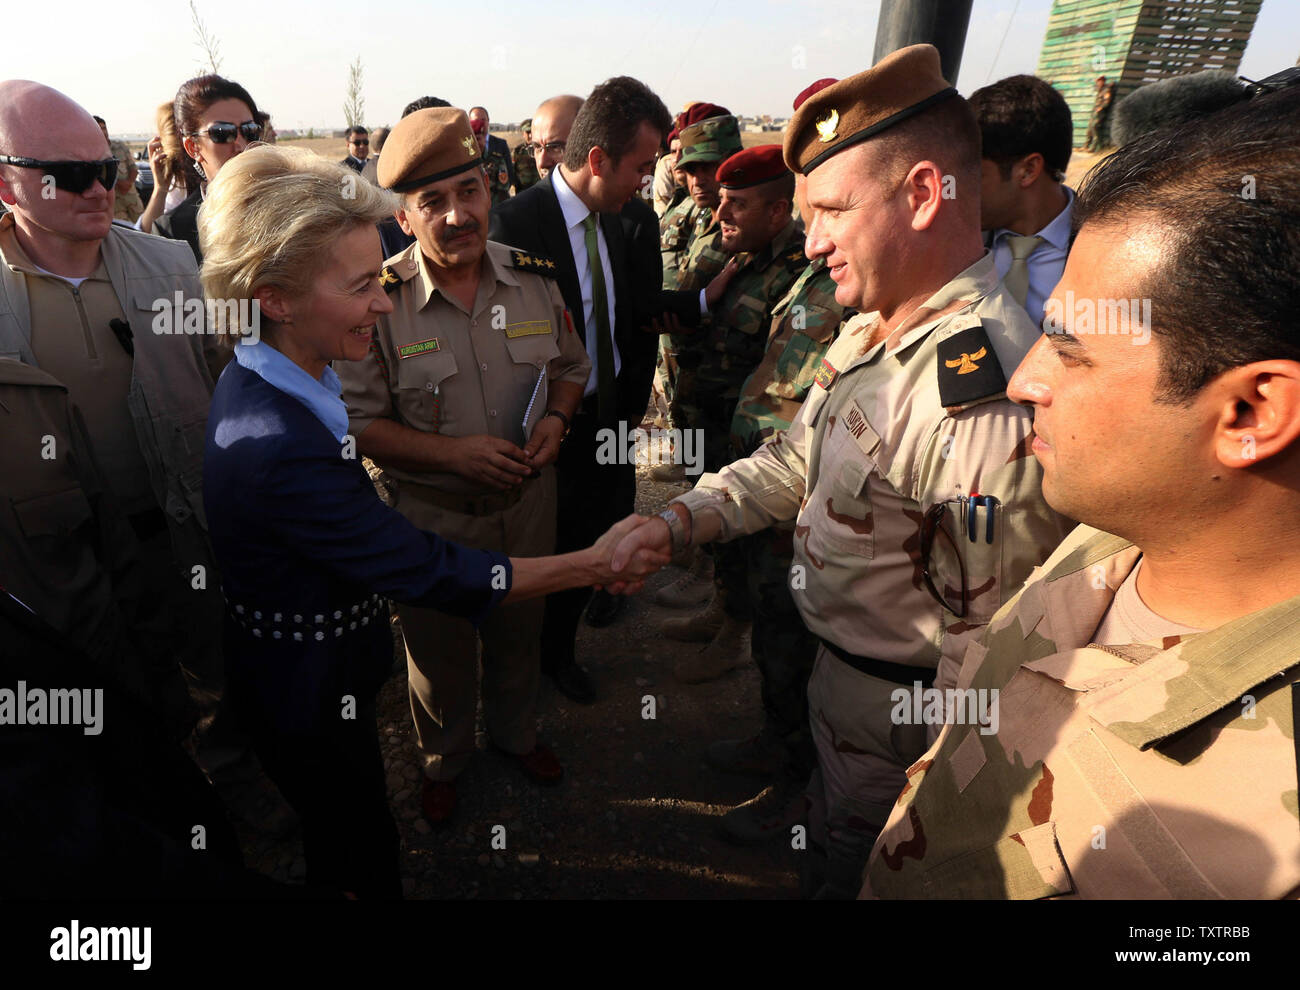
<point x="265" y="622"/>
<point x="895" y="673"/>
<point x="466" y="505"/>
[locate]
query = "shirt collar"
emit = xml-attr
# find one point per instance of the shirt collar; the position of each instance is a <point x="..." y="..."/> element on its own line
<point x="322" y="398"/>
<point x="574" y="209"/>
<point x="1056" y="233"/>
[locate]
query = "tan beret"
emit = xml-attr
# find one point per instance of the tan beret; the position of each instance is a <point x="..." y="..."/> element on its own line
<point x="843" y="114"/>
<point x="426" y="146"/>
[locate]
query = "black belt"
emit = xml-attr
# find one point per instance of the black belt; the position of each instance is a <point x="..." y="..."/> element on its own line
<point x="895" y="673"/>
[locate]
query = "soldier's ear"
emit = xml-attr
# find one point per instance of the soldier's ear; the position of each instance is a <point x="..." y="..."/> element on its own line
<point x="1258" y="411"/>
<point x="400" y="217"/>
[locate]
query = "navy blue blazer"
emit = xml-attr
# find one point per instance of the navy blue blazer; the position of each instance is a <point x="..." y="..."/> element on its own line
<point x="309" y="557"/>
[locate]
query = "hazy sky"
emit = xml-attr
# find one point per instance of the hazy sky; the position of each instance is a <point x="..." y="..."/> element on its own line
<point x="753" y="57"/>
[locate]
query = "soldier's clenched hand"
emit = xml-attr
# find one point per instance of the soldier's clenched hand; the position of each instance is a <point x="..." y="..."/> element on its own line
<point x="495" y="462"/>
<point x="544" y="444"/>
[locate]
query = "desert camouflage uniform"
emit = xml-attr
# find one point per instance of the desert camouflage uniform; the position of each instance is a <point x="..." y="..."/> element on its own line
<point x="803" y="325"/>
<point x="525" y="167"/>
<point x="883" y="437"/>
<point x="1151" y="770"/>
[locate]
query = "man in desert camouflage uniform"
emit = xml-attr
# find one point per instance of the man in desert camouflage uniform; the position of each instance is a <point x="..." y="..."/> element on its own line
<point x="757" y="231"/>
<point x="525" y="168"/>
<point x="1141" y="692"/>
<point x="907" y="418"/>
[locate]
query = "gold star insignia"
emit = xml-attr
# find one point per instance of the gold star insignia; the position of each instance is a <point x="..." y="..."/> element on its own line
<point x="966" y="363"/>
<point x="827" y="125"/>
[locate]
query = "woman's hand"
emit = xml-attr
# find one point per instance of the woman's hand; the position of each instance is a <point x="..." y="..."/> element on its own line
<point x="640" y="564"/>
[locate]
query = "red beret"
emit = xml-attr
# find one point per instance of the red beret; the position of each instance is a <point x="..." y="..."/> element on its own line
<point x="816" y="87"/>
<point x="752" y="167"/>
<point x="693" y="115"/>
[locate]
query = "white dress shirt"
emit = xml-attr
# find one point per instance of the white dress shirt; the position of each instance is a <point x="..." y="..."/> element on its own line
<point x="1046" y="263"/>
<point x="575" y="212"/>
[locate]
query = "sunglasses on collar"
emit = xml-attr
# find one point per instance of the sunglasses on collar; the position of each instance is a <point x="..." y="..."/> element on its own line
<point x="73" y="177"/>
<point x="223" y="132"/>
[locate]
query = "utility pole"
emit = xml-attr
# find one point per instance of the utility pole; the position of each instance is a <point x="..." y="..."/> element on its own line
<point x="941" y="23"/>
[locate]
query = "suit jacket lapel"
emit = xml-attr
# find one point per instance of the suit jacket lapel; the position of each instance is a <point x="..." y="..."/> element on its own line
<point x="555" y="238"/>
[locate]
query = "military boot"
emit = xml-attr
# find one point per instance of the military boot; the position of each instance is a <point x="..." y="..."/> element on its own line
<point x="768" y="815"/>
<point x="701" y="627"/>
<point x="725" y="652"/>
<point x="693" y="588"/>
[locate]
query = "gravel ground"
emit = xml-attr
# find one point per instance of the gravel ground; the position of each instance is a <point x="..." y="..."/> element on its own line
<point x="635" y="815"/>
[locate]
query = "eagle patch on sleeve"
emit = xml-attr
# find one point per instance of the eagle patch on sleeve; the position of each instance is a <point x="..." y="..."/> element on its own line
<point x="968" y="368"/>
<point x="537" y="263"/>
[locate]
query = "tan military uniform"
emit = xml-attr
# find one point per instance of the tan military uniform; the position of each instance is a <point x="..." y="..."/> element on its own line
<point x="1147" y="770"/>
<point x="441" y="369"/>
<point x="891" y="430"/>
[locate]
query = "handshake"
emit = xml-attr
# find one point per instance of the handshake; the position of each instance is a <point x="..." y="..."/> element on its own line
<point x="631" y="550"/>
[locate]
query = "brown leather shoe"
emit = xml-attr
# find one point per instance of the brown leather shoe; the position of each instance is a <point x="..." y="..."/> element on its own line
<point x="438" y="801"/>
<point x="541" y="765"/>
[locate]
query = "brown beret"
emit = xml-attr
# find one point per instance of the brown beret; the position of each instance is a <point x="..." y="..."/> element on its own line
<point x="426" y="146"/>
<point x="752" y="167"/>
<point x="899" y="86"/>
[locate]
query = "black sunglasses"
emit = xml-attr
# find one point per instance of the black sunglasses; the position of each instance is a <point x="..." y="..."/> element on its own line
<point x="362" y="141"/>
<point x="73" y="177"/>
<point x="932" y="525"/>
<point x="223" y="132"/>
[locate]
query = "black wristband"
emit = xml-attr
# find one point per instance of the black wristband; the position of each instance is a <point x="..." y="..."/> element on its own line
<point x="559" y="415"/>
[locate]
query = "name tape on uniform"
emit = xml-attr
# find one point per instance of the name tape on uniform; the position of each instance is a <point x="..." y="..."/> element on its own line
<point x="419" y="347"/>
<point x="528" y="328"/>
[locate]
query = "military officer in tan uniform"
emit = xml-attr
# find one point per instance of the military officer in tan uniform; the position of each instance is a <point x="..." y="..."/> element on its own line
<point x="469" y="392"/>
<point x="916" y="501"/>
<point x="1147" y="677"/>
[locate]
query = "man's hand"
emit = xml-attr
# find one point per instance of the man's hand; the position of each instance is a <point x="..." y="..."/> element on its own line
<point x="713" y="294"/>
<point x="490" y="461"/>
<point x="651" y="537"/>
<point x="668" y="322"/>
<point x="544" y="445"/>
<point x="639" y="562"/>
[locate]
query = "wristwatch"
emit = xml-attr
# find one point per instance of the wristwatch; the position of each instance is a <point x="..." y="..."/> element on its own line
<point x="560" y="416"/>
<point x="676" y="529"/>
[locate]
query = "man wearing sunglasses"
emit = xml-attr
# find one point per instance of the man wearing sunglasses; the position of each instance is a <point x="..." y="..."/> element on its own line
<point x="358" y="148"/>
<point x="77" y="297"/>
<point x="908" y="474"/>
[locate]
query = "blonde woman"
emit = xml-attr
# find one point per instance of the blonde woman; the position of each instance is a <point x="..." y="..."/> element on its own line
<point x="309" y="555"/>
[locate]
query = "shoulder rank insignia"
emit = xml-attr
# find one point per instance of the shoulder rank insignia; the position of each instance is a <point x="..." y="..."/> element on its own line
<point x="533" y="263"/>
<point x="389" y="278"/>
<point x="968" y="368"/>
<point x="796" y="257"/>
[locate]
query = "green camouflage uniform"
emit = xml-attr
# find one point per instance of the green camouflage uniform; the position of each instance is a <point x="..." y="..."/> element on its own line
<point x="525" y="167"/>
<point x="803" y="325"/>
<point x="1143" y="771"/>
<point x="892" y="429"/>
<point x="497" y="169"/>
<point x="677" y="230"/>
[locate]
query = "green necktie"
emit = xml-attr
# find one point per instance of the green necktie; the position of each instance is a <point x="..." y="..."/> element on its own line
<point x="604" y="342"/>
<point x="1016" y="279"/>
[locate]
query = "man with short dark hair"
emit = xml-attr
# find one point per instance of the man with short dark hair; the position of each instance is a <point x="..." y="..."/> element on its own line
<point x="587" y="219"/>
<point x="1025" y="133"/>
<point x="358" y="148"/>
<point x="1148" y="672"/>
<point x="370" y="168"/>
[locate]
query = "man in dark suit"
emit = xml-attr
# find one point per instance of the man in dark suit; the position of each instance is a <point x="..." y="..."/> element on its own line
<point x="587" y="218"/>
<point x="358" y="148"/>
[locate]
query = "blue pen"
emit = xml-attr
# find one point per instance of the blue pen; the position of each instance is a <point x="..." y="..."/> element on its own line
<point x="990" y="502"/>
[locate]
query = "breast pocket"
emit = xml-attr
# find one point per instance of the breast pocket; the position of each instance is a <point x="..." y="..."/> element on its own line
<point x="51" y="518"/>
<point x="420" y="384"/>
<point x="847" y="524"/>
<point x="531" y="353"/>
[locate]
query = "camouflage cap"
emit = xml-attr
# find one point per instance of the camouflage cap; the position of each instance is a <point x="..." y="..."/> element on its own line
<point x="711" y="140"/>
<point x="426" y="146"/>
<point x="526" y="124"/>
<point x="899" y="86"/>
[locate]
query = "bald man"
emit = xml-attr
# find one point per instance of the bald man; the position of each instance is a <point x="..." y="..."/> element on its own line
<point x="92" y="304"/>
<point x="551" y="125"/>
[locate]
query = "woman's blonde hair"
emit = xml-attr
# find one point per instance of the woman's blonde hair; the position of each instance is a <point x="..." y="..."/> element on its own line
<point x="270" y="218"/>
